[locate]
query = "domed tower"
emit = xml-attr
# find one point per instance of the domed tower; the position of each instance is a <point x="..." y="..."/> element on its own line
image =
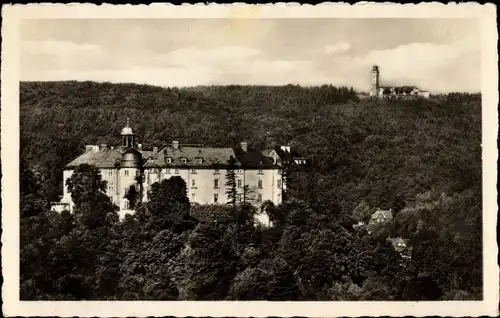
<point x="128" y="137"/>
<point x="375" y="81"/>
<point x="130" y="177"/>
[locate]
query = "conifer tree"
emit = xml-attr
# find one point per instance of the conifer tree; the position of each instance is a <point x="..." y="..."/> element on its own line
<point x="231" y="181"/>
<point x="133" y="196"/>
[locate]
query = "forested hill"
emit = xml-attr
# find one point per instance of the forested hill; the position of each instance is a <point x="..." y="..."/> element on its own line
<point x="384" y="152"/>
<point x="420" y="157"/>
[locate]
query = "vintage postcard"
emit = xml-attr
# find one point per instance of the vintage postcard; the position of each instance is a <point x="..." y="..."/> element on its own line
<point x="249" y="160"/>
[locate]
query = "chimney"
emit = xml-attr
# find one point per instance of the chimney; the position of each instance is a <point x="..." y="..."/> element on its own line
<point x="244" y="146"/>
<point x="175" y="144"/>
<point x="155" y="149"/>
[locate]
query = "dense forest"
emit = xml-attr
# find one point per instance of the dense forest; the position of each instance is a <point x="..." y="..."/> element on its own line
<point x="419" y="157"/>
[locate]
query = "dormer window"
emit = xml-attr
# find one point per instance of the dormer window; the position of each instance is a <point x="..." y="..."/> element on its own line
<point x="169" y="160"/>
<point x="199" y="160"/>
<point x="184" y="160"/>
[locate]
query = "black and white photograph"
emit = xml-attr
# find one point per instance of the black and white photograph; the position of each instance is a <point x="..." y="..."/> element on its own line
<point x="245" y="157"/>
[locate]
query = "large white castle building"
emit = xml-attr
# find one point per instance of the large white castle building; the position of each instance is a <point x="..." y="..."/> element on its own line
<point x="202" y="168"/>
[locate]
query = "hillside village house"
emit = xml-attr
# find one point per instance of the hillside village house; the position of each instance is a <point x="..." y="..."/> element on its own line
<point x="203" y="169"/>
<point x="381" y="216"/>
<point x="401" y="246"/>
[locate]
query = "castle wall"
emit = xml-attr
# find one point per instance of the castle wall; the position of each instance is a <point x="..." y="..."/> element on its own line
<point x="67" y="195"/>
<point x="203" y="189"/>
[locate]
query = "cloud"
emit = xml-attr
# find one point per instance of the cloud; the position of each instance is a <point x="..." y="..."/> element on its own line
<point x="337" y="48"/>
<point x="51" y="54"/>
<point x="193" y="56"/>
<point x="435" y="67"/>
<point x="187" y="66"/>
<point x="59" y="47"/>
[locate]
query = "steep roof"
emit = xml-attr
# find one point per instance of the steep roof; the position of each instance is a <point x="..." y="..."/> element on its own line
<point x="252" y="158"/>
<point x="210" y="156"/>
<point x="386" y="213"/>
<point x="101" y="159"/>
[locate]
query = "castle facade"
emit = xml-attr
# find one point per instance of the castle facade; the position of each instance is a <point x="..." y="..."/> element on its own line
<point x="258" y="174"/>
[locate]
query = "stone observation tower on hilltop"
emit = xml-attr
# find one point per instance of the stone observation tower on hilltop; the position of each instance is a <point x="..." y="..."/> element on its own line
<point x="375" y="81"/>
<point x="393" y="91"/>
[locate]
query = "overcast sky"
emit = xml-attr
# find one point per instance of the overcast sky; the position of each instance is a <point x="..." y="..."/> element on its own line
<point x="440" y="55"/>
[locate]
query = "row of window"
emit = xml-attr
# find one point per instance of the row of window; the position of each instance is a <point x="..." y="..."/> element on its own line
<point x="184" y="160"/>
<point x="239" y="183"/>
<point x="216" y="171"/>
<point x="126" y="173"/>
<point x="240" y="197"/>
<point x="176" y="171"/>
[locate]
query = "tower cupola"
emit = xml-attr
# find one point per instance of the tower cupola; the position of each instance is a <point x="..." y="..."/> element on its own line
<point x="128" y="137"/>
<point x="131" y="158"/>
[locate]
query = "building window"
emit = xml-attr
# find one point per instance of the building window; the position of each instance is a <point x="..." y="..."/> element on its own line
<point x="259" y="197"/>
<point x="193" y="183"/>
<point x="239" y="183"/>
<point x="200" y="161"/>
<point x="216" y="197"/>
<point x="176" y="171"/>
<point x="240" y="171"/>
<point x="259" y="184"/>
<point x="137" y="173"/>
<point x="169" y="160"/>
<point x="260" y="171"/>
<point x="279" y="183"/>
<point x="110" y="186"/>
<point x="193" y="196"/>
<point x="125" y="173"/>
<point x="279" y="197"/>
<point x="216" y="171"/>
<point x="167" y="170"/>
<point x="240" y="197"/>
<point x="193" y="170"/>
<point x="216" y="183"/>
<point x="126" y="204"/>
<point x="183" y="160"/>
<point x="110" y="172"/>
